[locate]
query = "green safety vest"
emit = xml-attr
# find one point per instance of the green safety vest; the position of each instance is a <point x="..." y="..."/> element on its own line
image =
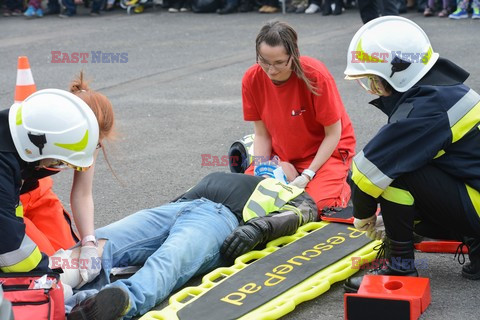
<point x="269" y="196"/>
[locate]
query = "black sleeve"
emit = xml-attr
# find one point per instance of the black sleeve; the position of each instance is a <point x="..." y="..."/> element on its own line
<point x="12" y="227"/>
<point x="364" y="205"/>
<point x="43" y="265"/>
<point x="231" y="189"/>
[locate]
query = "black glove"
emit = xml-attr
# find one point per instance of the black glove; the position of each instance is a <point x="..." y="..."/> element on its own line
<point x="241" y="240"/>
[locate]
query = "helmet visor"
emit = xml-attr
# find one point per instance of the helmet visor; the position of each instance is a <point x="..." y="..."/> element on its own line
<point x="372" y="84"/>
<point x="60" y="165"/>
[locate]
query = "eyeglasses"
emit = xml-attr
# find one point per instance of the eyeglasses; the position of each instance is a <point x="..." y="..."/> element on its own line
<point x="371" y="84"/>
<point x="279" y="66"/>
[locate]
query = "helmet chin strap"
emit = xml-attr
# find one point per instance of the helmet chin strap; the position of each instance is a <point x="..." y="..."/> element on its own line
<point x="373" y="85"/>
<point x="376" y="87"/>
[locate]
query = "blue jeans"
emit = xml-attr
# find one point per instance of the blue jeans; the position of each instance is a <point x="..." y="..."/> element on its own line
<point x="173" y="242"/>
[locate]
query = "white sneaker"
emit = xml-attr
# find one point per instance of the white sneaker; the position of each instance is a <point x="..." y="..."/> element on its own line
<point x="312" y="8"/>
<point x="172" y="10"/>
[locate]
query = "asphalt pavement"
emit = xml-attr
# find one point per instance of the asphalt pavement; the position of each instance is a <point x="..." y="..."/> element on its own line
<point x="176" y="90"/>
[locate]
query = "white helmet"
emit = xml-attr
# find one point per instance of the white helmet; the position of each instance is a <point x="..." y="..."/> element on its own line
<point x="393" y="48"/>
<point x="55" y="124"/>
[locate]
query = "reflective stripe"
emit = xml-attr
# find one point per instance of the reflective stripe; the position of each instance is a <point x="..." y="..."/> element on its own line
<point x="427" y="56"/>
<point x="363" y="183"/>
<point x="439" y="154"/>
<point x="474" y="197"/>
<point x="470" y="120"/>
<point x="247" y="143"/>
<point x="77" y="146"/>
<point x="255" y="207"/>
<point x="274" y="195"/>
<point x="24" y="77"/>
<point x="368" y="177"/>
<point x="19" y="211"/>
<point x="365" y="57"/>
<point x="26" y="265"/>
<point x="464" y="115"/>
<point x="24" y="259"/>
<point x="269" y="196"/>
<point x="18" y="116"/>
<point x="459" y="109"/>
<point x="399" y="196"/>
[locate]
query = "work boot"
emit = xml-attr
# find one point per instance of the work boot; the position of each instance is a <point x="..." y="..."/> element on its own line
<point x="472" y="269"/>
<point x="399" y="260"/>
<point x="110" y="303"/>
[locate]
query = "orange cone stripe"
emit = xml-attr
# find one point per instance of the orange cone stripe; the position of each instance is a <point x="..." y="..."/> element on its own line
<point x="25" y="83"/>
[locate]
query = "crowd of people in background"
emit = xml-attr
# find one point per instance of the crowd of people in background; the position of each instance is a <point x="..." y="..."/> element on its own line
<point x="369" y="9"/>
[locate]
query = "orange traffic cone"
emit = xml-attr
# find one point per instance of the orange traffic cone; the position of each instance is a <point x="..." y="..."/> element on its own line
<point x="25" y="84"/>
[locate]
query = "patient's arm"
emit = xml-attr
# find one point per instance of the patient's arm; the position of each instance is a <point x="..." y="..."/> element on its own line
<point x="101" y="244"/>
<point x="68" y="261"/>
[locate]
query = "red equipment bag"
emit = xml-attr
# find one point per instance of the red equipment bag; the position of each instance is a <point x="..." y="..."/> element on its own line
<point x="29" y="303"/>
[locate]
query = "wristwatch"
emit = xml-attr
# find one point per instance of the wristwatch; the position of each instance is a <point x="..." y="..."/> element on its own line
<point x="90" y="238"/>
<point x="309" y="173"/>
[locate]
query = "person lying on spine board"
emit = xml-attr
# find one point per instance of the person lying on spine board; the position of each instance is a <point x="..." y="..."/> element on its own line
<point x="222" y="217"/>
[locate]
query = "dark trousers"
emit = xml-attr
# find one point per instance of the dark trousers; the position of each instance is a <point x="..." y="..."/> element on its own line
<point x="371" y="9"/>
<point x="441" y="204"/>
<point x="14" y="5"/>
<point x="272" y="3"/>
<point x="53" y="6"/>
<point x="71" y="7"/>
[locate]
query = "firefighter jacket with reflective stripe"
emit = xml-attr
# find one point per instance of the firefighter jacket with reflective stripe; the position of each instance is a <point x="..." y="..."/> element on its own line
<point x="428" y="124"/>
<point x="284" y="211"/>
<point x="18" y="253"/>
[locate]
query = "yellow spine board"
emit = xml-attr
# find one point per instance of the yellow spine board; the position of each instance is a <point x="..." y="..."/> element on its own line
<point x="311" y="288"/>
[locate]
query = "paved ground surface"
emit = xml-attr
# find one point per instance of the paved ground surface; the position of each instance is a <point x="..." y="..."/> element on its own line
<point x="179" y="96"/>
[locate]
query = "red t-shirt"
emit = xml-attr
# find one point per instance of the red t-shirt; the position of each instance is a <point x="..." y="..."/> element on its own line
<point x="292" y="114"/>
